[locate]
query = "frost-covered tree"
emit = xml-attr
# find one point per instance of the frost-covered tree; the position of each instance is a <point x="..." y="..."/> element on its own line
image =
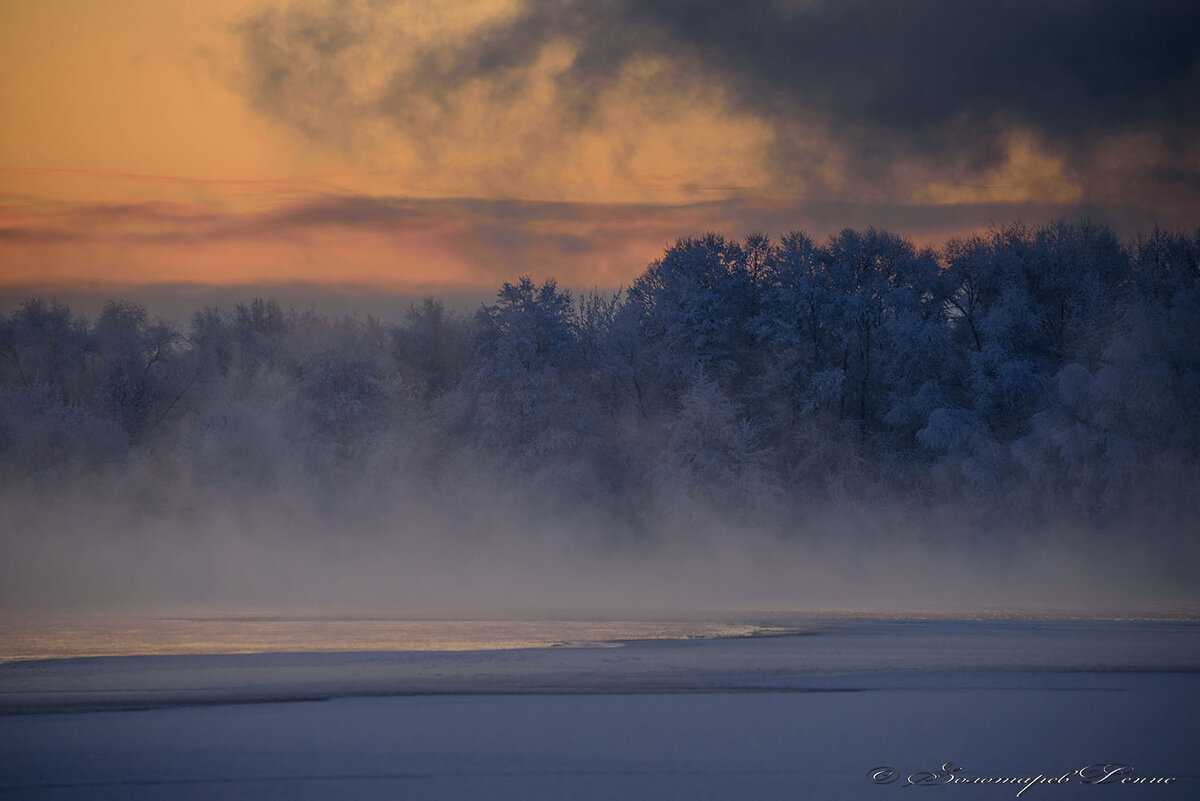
<point x="44" y="347"/>
<point x="344" y="392"/>
<point x="431" y="348"/>
<point x="714" y="458"/>
<point x="143" y="374"/>
<point x="258" y="330"/>
<point x="788" y="329"/>
<point x="693" y="308"/>
<point x="526" y="377"/>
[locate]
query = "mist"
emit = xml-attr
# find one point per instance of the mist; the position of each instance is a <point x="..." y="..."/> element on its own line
<point x="1005" y="424"/>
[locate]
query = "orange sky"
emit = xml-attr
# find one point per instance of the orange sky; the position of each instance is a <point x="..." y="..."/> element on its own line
<point x="145" y="142"/>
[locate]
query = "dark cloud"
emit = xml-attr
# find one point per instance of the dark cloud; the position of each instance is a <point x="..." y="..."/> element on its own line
<point x="580" y="244"/>
<point x="353" y="210"/>
<point x="565" y="227"/>
<point x="1068" y="68"/>
<point x="37" y="234"/>
<point x="939" y="80"/>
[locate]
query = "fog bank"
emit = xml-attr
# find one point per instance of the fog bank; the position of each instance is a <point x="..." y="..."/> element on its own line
<point x="1008" y="423"/>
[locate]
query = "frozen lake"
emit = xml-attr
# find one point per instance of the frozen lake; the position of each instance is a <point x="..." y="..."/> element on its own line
<point x="802" y="716"/>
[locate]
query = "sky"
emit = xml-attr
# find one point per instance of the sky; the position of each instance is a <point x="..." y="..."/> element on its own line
<point x="430" y="146"/>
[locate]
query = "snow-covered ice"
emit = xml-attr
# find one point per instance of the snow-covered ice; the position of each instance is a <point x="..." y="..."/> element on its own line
<point x="761" y="717"/>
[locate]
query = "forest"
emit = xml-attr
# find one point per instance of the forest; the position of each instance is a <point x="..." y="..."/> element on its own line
<point x="1030" y="378"/>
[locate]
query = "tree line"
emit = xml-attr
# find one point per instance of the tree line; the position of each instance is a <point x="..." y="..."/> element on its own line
<point x="1032" y="374"/>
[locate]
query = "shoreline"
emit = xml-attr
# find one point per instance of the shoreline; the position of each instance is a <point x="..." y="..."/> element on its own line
<point x="114" y="636"/>
<point x="798" y="662"/>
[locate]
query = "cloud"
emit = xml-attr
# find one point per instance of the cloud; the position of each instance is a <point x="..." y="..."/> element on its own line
<point x="1061" y="68"/>
<point x="857" y="98"/>
<point x="437" y="245"/>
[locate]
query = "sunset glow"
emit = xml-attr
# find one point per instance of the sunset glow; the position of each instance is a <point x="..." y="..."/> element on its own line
<point x="418" y="146"/>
